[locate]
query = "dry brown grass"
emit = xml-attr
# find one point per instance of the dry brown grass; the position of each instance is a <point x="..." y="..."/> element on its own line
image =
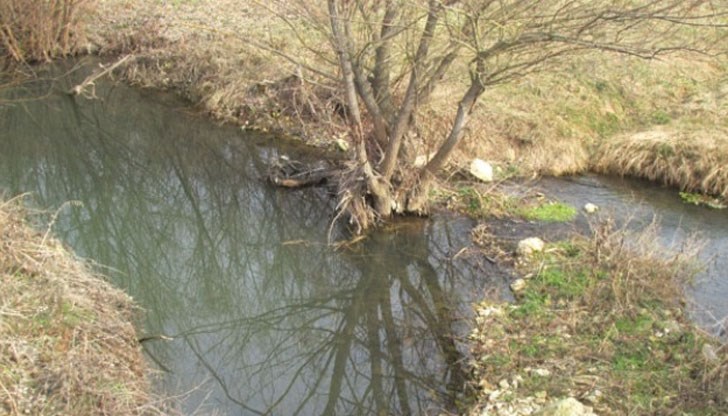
<point x="694" y="159"/>
<point x="550" y="123"/>
<point x="32" y="30"/>
<point x="67" y="344"/>
<point x="546" y="123"/>
<point x="208" y="52"/>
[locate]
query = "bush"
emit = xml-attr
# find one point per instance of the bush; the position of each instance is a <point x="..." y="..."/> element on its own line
<point x="39" y="30"/>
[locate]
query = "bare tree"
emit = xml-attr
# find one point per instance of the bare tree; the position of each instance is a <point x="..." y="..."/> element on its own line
<point x="391" y="55"/>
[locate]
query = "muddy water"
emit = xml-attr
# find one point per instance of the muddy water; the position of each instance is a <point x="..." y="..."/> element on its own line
<point x="264" y="317"/>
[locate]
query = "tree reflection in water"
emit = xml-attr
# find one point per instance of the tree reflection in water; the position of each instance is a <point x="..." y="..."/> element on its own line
<point x="266" y="318"/>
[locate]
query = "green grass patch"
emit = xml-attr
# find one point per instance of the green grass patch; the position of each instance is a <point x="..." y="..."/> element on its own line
<point x="533" y="303"/>
<point x="567" y="284"/>
<point x="694" y="198"/>
<point x="661" y="117"/>
<point x="634" y="326"/>
<point x="549" y="212"/>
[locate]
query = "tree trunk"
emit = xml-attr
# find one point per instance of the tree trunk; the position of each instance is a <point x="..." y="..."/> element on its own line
<point x="409" y="103"/>
<point x="418" y="195"/>
<point x="376" y="187"/>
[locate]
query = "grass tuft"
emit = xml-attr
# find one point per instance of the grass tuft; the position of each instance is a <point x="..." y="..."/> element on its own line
<point x="700" y="199"/>
<point x="549" y="212"/>
<point x="477" y="202"/>
<point x="689" y="157"/>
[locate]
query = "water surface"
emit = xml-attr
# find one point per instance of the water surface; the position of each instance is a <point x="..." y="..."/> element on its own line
<point x="265" y="317"/>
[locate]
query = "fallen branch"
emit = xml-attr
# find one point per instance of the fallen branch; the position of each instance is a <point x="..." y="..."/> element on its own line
<point x="303" y="179"/>
<point x="91" y="79"/>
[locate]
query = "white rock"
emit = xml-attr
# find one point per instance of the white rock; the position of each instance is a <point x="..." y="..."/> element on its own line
<point x="529" y="246"/>
<point x="566" y="407"/>
<point x="590" y="208"/>
<point x="672" y="326"/>
<point x="541" y="372"/>
<point x="493" y="310"/>
<point x="481" y="170"/>
<point x="518" y="285"/>
<point x="593" y="397"/>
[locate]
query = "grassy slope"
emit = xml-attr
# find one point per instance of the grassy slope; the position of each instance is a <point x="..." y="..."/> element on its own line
<point x="583" y="116"/>
<point x="603" y="323"/>
<point x="67" y="344"/>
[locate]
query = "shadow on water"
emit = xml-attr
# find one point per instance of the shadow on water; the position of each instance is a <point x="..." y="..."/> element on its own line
<point x="265" y="317"/>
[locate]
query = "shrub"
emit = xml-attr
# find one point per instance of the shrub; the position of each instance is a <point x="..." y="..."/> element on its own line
<point x="39" y="30"/>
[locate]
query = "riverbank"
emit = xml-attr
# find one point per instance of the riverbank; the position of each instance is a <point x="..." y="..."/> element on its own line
<point x="67" y="343"/>
<point x="232" y="60"/>
<point x="600" y="322"/>
<point x="615" y="333"/>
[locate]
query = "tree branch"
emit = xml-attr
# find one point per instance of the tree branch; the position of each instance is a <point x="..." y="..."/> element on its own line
<point x="409" y="103"/>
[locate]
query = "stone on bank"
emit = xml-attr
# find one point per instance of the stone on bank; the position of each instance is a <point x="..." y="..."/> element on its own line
<point x="529" y="246"/>
<point x="566" y="407"/>
<point x="482" y="170"/>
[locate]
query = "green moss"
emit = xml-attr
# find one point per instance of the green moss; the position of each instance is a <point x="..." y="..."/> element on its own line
<point x="550" y="212"/>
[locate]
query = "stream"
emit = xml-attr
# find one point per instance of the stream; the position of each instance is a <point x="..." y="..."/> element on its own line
<point x="264" y="316"/>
